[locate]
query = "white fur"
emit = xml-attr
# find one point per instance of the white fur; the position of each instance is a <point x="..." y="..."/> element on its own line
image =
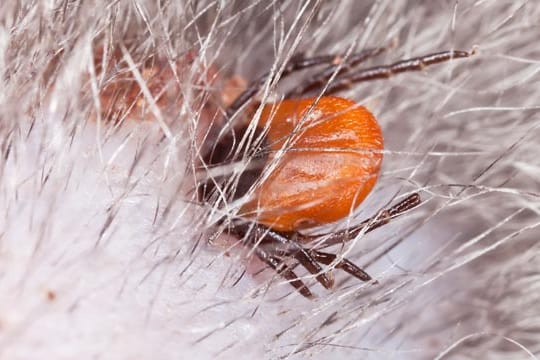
<point x="100" y="258"/>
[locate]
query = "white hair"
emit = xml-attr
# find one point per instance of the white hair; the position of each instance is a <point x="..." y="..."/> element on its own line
<point x="104" y="249"/>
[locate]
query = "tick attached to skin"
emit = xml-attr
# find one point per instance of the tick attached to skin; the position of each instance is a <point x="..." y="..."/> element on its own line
<point x="302" y="163"/>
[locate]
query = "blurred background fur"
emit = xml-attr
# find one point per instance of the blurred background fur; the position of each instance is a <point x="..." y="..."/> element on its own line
<point x="104" y="251"/>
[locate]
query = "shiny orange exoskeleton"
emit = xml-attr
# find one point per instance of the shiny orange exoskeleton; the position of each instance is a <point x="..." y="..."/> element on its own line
<point x="332" y="156"/>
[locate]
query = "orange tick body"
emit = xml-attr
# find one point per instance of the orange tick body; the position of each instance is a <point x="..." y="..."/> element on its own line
<point x="326" y="156"/>
<point x="302" y="163"/>
<point x="306" y="162"/>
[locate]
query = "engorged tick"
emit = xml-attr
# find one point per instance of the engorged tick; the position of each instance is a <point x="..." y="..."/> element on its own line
<point x="305" y="162"/>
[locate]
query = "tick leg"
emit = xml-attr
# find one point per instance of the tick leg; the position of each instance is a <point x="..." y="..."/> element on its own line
<point x="274" y="247"/>
<point x="279" y="245"/>
<point x="298" y="62"/>
<point x="283" y="270"/>
<point x="382" y="72"/>
<point x="338" y="67"/>
<point x="308" y="261"/>
<point x="344" y="264"/>
<point x="329" y="259"/>
<point x="382" y="218"/>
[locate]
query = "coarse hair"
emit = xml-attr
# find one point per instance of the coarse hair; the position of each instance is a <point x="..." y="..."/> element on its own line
<point x="105" y="250"/>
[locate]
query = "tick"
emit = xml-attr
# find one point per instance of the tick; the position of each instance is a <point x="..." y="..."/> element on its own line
<point x="301" y="163"/>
